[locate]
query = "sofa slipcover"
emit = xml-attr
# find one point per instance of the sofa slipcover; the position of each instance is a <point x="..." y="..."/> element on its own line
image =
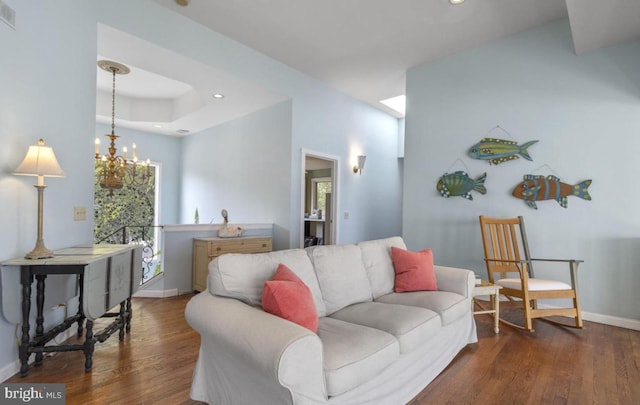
<point x="373" y="346"/>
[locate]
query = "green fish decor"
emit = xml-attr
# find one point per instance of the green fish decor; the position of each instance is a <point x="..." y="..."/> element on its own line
<point x="460" y="184"/>
<point x="497" y="151"/>
<point x="537" y="188"/>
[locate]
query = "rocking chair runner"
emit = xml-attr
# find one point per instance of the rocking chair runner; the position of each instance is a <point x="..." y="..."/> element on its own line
<point x="502" y="241"/>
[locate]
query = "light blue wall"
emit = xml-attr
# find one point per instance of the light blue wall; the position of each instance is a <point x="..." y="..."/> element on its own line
<point x="584" y="110"/>
<point x="48" y="79"/>
<point x="346" y="129"/>
<point x="47" y="82"/>
<point x="163" y="150"/>
<point x="243" y="166"/>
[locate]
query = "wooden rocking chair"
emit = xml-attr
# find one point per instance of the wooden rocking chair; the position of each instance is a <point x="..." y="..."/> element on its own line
<point x="502" y="240"/>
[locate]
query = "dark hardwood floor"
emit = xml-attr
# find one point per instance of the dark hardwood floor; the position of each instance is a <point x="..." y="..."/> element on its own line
<point x="596" y="365"/>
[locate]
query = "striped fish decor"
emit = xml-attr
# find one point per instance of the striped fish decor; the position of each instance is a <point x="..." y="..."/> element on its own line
<point x="460" y="184"/>
<point x="537" y="188"/>
<point x="498" y="151"/>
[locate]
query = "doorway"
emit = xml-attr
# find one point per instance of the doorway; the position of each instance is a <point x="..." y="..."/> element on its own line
<point x="319" y="199"/>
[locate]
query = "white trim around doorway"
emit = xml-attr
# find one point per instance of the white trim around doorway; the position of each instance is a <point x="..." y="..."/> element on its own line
<point x="335" y="175"/>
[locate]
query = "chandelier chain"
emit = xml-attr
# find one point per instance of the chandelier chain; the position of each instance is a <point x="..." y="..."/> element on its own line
<point x="113" y="102"/>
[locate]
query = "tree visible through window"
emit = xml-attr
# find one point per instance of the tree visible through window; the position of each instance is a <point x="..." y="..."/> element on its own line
<point x="133" y="207"/>
<point x="322" y="188"/>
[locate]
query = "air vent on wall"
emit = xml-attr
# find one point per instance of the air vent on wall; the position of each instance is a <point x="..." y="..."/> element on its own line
<point x="8" y="15"/>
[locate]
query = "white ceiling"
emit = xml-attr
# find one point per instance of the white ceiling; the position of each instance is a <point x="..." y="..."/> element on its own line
<point x="364" y="47"/>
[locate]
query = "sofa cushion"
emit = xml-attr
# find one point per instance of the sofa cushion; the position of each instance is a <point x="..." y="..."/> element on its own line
<point x="414" y="270"/>
<point x="450" y="306"/>
<point x="353" y="354"/>
<point x="376" y="256"/>
<point x="341" y="275"/>
<point x="242" y="276"/>
<point x="286" y="296"/>
<point x="412" y="326"/>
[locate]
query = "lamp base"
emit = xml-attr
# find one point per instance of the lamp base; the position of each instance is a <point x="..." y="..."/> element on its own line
<point x="39" y="252"/>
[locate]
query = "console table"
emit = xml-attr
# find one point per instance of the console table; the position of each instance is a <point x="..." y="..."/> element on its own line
<point x="107" y="275"/>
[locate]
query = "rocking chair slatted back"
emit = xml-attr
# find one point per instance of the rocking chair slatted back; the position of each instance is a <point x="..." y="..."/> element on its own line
<point x="503" y="242"/>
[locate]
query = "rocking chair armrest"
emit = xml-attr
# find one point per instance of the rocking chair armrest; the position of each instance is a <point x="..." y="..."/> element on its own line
<point x="557" y="260"/>
<point x="535" y="260"/>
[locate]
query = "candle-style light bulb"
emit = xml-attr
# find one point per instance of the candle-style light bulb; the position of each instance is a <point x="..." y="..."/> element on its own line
<point x="124" y="153"/>
<point x="97" y="144"/>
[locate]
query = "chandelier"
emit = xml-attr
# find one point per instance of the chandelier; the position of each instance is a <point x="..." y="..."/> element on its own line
<point x="113" y="170"/>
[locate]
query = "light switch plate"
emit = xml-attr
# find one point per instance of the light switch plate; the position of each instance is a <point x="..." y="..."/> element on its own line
<point x="79" y="213"/>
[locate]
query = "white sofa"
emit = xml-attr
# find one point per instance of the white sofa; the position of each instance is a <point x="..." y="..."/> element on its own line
<point x="373" y="346"/>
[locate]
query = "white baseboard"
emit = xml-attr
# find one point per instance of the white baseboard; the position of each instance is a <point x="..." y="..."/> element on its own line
<point x="13" y="368"/>
<point x="9" y="370"/>
<point x="612" y="320"/>
<point x="156" y="293"/>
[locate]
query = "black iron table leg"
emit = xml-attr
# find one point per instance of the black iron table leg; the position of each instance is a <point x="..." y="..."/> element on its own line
<point x="129" y="316"/>
<point x="88" y="346"/>
<point x="122" y="320"/>
<point x="26" y="278"/>
<point x="80" y="298"/>
<point x="39" y="313"/>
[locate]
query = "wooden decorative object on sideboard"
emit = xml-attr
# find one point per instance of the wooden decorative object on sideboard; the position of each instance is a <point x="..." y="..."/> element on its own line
<point x="207" y="249"/>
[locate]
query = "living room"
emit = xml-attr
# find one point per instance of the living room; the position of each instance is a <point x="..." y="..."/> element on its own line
<point x="582" y="108"/>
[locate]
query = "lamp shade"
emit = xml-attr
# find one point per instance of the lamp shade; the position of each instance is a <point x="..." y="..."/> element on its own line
<point x="40" y="161"/>
<point x="361" y="160"/>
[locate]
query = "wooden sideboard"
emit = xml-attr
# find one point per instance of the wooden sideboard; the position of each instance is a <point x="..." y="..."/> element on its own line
<point x="207" y="249"/>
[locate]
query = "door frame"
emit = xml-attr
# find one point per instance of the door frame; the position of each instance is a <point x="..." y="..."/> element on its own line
<point x="335" y="187"/>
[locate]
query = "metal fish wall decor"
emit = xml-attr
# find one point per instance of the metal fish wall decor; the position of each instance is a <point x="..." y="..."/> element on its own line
<point x="497" y="151"/>
<point x="537" y="188"/>
<point x="460" y="184"/>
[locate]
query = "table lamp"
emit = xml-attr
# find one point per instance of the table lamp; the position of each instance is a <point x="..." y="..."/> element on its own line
<point x="40" y="161"/>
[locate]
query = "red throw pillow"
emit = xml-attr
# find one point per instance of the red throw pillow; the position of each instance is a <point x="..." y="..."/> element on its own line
<point x="288" y="297"/>
<point x="414" y="270"/>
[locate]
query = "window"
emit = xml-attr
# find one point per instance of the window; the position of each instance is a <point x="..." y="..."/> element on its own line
<point x="320" y="187"/>
<point x="129" y="216"/>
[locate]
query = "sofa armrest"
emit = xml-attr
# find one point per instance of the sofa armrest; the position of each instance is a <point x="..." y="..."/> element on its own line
<point x="455" y="280"/>
<point x="245" y="349"/>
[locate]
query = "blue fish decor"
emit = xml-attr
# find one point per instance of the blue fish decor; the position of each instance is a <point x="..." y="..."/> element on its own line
<point x="537" y="188"/>
<point x="497" y="151"/>
<point x="460" y="184"/>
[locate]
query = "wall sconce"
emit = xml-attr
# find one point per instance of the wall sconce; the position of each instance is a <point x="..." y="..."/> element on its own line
<point x="358" y="168"/>
<point x="40" y="161"/>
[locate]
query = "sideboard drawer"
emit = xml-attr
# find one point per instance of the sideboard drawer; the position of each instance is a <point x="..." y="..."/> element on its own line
<point x="239" y="245"/>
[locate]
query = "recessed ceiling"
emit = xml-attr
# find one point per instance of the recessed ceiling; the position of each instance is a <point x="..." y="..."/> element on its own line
<point x="168" y="93"/>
